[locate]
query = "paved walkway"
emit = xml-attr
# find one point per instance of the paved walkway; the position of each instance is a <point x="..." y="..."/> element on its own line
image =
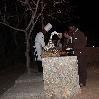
<point x="31" y="87"/>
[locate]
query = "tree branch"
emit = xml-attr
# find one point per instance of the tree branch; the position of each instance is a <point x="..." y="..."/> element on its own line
<point x="33" y="2"/>
<point x="23" y="2"/>
<point x="33" y="16"/>
<point x="12" y="27"/>
<point x="36" y="20"/>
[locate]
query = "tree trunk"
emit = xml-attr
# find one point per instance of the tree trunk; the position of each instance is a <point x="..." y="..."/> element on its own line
<point x="27" y="55"/>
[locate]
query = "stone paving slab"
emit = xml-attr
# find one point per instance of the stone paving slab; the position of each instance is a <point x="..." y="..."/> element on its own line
<point x="26" y="87"/>
<point x="34" y="77"/>
<point x="23" y="96"/>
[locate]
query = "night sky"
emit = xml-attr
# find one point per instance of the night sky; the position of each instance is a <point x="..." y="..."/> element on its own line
<point x="89" y="19"/>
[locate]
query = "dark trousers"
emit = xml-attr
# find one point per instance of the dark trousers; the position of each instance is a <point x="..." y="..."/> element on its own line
<point x="82" y="69"/>
<point x="39" y="64"/>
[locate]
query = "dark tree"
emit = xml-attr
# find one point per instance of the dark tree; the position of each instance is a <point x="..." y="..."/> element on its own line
<point x="23" y="15"/>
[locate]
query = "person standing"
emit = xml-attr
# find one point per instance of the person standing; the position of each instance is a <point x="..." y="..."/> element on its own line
<point x="39" y="45"/>
<point x="67" y="40"/>
<point x="79" y="43"/>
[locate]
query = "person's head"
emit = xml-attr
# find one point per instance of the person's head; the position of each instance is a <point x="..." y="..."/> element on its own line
<point x="65" y="33"/>
<point x="55" y="38"/>
<point x="71" y="28"/>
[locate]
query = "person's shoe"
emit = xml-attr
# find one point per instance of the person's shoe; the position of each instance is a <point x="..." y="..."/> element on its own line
<point x="82" y="85"/>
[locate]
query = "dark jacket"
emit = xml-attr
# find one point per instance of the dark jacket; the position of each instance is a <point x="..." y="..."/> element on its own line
<point x="79" y="43"/>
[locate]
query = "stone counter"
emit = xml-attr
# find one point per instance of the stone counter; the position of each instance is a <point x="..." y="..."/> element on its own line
<point x="60" y="75"/>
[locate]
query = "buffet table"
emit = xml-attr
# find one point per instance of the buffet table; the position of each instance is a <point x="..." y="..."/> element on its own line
<point x="60" y="75"/>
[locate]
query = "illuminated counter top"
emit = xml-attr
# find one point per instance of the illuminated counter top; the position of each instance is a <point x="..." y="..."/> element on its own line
<point x="60" y="75"/>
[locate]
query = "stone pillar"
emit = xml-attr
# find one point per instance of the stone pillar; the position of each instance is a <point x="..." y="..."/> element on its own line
<point x="60" y="75"/>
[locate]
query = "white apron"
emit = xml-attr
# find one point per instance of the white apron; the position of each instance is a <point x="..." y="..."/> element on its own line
<point x="39" y="44"/>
